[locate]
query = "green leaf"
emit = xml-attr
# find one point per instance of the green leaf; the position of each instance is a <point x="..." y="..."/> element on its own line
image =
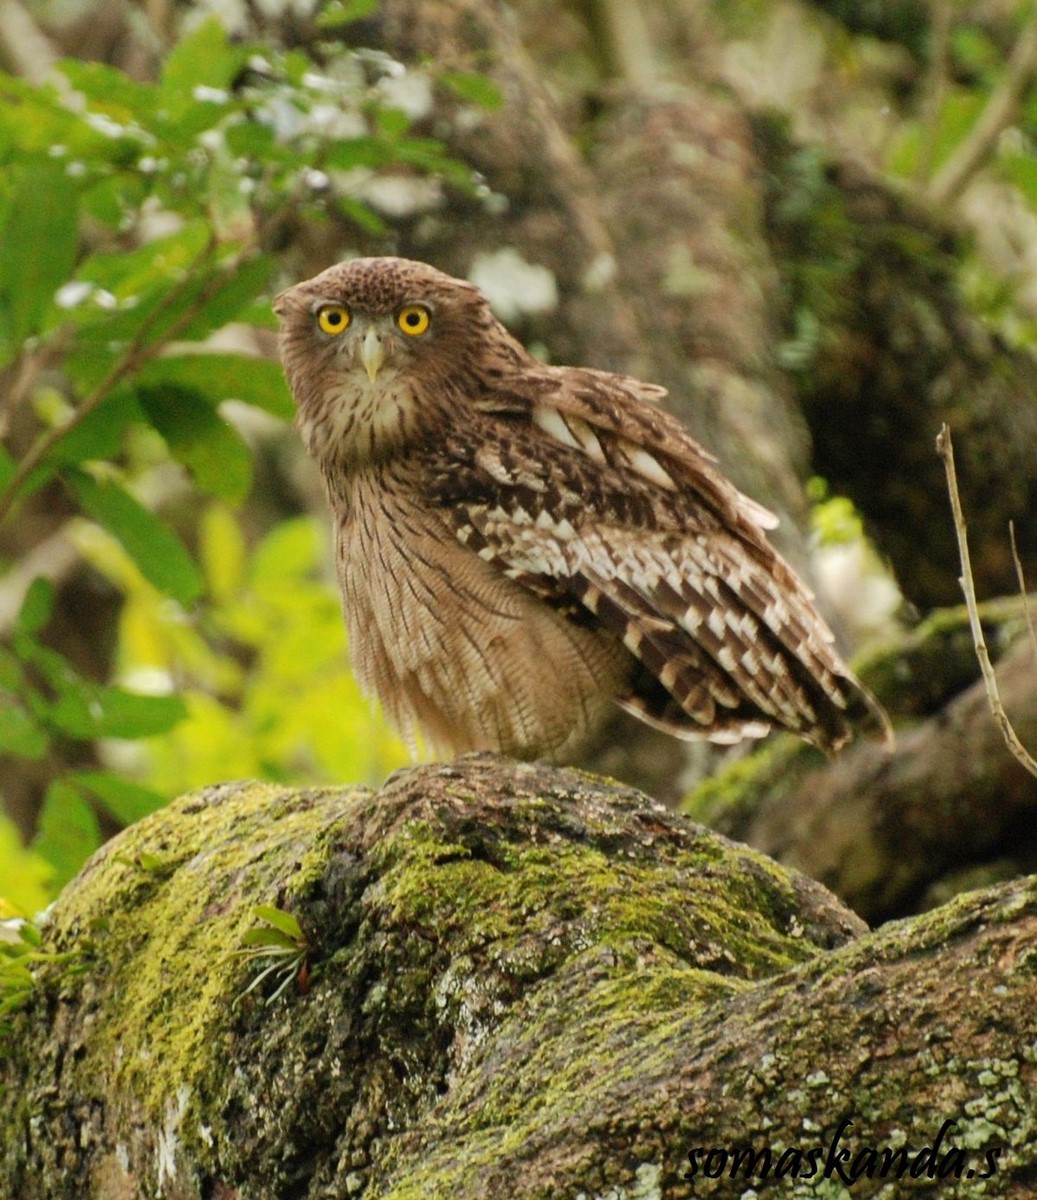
<point x="250" y="139"/>
<point x="256" y="381"/>
<point x="20" y="733"/>
<point x="291" y="549"/>
<point x="222" y="550"/>
<point x="26" y="875"/>
<point x="37" y="246"/>
<point x="54" y="668"/>
<point x="154" y="864"/>
<point x="204" y="58"/>
<point x="432" y="156"/>
<point x="33" y="120"/>
<point x="225" y="204"/>
<point x="229" y="296"/>
<point x="184" y="287"/>
<point x="88" y="710"/>
<point x="162" y="557"/>
<point x="150" y="864"/>
<point x="264" y="935"/>
<point x="474" y="88"/>
<point x="7" y="468"/>
<point x="1021" y="169"/>
<point x="99" y="435"/>
<point x="975" y="52"/>
<point x="149" y="289"/>
<point x="36" y="608"/>
<point x="153" y="287"/>
<point x="958" y="114"/>
<point x="110" y="90"/>
<point x="284" y="921"/>
<point x="344" y="12"/>
<point x="361" y="214"/>
<point x="12" y="677"/>
<point x="125" y="800"/>
<point x="393" y="122"/>
<point x="210" y="447"/>
<point x="128" y="275"/>
<point x="347" y="153"/>
<point x="92" y="357"/>
<point x="115" y="199"/>
<point x="68" y="832"/>
<point x="187" y="115"/>
<point x="29" y="935"/>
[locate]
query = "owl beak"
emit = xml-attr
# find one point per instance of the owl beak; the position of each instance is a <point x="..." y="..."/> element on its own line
<point x="372" y="354"/>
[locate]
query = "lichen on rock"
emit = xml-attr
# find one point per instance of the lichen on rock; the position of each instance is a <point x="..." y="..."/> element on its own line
<point x="520" y="980"/>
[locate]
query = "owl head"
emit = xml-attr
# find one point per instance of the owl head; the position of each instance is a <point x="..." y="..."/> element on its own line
<point x="377" y="349"/>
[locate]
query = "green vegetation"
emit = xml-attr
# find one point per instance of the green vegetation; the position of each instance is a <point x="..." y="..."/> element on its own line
<point x="278" y="946"/>
<point x="145" y="224"/>
<point x="136" y="221"/>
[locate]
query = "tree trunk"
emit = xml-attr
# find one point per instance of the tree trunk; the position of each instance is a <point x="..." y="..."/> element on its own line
<point x="520" y="982"/>
<point x="887" y="830"/>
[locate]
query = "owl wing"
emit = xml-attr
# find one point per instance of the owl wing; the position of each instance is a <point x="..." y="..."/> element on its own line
<point x="616" y="419"/>
<point x="610" y="512"/>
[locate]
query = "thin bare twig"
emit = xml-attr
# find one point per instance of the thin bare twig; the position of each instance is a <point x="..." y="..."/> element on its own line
<point x="946" y="452"/>
<point x="1020" y="575"/>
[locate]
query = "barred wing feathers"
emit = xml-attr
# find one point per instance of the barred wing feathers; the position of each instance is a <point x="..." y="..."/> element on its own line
<point x="603" y="506"/>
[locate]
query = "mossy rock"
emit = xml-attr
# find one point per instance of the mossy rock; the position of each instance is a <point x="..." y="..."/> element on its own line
<point x="519" y="980"/>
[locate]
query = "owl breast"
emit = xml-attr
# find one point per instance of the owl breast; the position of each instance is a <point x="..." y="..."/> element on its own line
<point x="453" y="648"/>
<point x="352" y="420"/>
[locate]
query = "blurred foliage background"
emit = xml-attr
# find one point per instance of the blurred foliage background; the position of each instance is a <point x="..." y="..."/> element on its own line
<point x="137" y="222"/>
<point x="167" y="616"/>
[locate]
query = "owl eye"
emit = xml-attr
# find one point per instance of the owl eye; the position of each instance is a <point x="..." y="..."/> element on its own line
<point x="413" y="319"/>
<point x="333" y="319"/>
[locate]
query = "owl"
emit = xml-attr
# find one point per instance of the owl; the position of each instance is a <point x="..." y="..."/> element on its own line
<point x="522" y="546"/>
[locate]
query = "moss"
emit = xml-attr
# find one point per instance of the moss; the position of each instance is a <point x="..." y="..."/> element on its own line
<point x="510" y="1110"/>
<point x="501" y="953"/>
<point x="916" y="673"/>
<point x="508" y="894"/>
<point x="162" y="937"/>
<point x="176" y="995"/>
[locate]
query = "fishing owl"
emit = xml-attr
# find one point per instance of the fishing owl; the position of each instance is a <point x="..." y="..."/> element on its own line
<point x="520" y="546"/>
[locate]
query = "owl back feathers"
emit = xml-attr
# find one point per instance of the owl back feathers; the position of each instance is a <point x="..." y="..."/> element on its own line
<point x="606" y="535"/>
<point x="609" y="510"/>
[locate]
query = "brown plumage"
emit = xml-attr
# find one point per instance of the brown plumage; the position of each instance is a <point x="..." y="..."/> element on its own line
<point x="521" y="545"/>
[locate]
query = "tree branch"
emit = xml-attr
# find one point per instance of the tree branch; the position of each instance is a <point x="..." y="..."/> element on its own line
<point x="1021" y="576"/>
<point x="135" y="356"/>
<point x="946" y="451"/>
<point x="934" y="88"/>
<point x="627" y="42"/>
<point x="1000" y="110"/>
<point x="25" y="49"/>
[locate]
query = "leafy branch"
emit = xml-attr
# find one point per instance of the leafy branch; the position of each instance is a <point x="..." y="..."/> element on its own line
<point x="141" y="350"/>
<point x="136" y="216"/>
<point x="1001" y="108"/>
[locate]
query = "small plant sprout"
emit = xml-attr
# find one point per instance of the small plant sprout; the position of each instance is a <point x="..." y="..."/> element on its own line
<point x="278" y="945"/>
<point x="21" y="955"/>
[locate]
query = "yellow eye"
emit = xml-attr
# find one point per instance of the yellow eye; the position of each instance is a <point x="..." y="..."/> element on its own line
<point x="333" y="319"/>
<point x="413" y="319"/>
